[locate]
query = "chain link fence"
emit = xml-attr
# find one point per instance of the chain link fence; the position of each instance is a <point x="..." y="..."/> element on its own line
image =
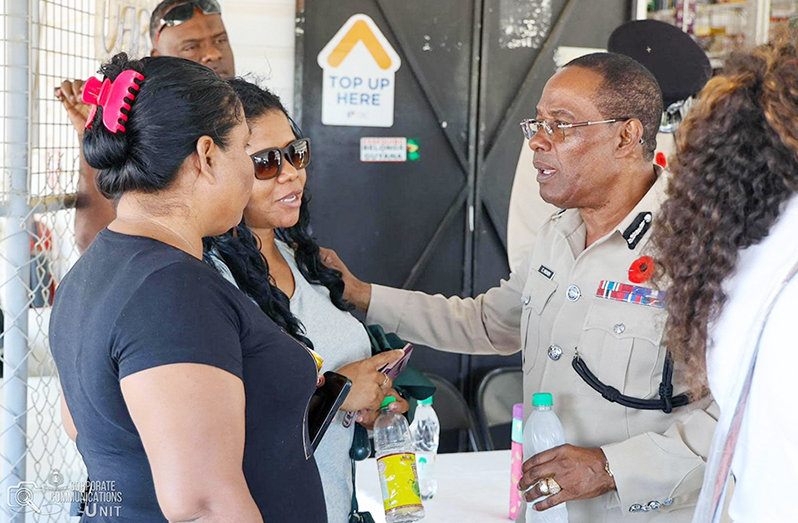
<point x="42" y="42"/>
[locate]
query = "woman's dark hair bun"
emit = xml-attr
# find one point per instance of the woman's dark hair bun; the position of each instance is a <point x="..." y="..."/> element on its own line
<point x="178" y="102"/>
<point x="109" y="150"/>
<point x="118" y="63"/>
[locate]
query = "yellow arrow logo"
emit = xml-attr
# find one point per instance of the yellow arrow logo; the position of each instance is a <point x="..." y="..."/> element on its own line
<point x="360" y="32"/>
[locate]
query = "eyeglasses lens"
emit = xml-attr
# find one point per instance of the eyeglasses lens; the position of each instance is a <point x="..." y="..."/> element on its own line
<point x="299" y="154"/>
<point x="268" y="164"/>
<point x="530" y="128"/>
<point x="178" y="14"/>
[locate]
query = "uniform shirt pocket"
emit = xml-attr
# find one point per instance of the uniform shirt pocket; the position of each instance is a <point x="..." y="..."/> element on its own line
<point x="620" y="343"/>
<point x="536" y="295"/>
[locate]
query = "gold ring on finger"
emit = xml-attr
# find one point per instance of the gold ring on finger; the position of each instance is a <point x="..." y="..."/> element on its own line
<point x="385" y="382"/>
<point x="552" y="486"/>
<point x="543" y="486"/>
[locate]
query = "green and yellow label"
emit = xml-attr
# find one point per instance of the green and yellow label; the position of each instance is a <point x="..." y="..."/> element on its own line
<point x="399" y="481"/>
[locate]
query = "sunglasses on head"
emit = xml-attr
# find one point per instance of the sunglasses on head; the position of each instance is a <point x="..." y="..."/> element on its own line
<point x="183" y="12"/>
<point x="269" y="162"/>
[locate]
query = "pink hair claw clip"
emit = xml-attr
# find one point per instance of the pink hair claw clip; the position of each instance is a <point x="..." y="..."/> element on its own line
<point x="114" y="97"/>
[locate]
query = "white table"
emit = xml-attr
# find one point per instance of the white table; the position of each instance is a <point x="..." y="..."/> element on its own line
<point x="472" y="487"/>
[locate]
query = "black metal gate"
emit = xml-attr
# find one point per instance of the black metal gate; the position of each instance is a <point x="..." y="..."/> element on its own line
<point x="471" y="70"/>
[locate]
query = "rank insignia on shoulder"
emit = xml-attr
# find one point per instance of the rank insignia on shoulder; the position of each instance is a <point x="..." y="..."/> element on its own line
<point x="545" y="271"/>
<point x="616" y="291"/>
<point x="638" y="228"/>
<point x="557" y="215"/>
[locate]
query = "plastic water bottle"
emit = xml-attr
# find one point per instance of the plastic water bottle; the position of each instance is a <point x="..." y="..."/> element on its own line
<point x="396" y="466"/>
<point x="543" y="431"/>
<point x="517" y="463"/>
<point x="426" y="431"/>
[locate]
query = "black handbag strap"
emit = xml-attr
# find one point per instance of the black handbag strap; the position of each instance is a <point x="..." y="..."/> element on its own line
<point x="354" y="489"/>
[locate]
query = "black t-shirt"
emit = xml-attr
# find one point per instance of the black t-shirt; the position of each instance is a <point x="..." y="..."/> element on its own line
<point x="132" y="303"/>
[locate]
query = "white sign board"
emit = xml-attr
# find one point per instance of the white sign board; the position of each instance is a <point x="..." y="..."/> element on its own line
<point x="359" y="76"/>
<point x="383" y="149"/>
<point x="122" y="25"/>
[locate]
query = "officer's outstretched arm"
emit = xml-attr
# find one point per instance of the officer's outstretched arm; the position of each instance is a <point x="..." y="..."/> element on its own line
<point x="487" y="324"/>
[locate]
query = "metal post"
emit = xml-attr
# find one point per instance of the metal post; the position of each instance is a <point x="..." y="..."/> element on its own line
<point x="15" y="292"/>
<point x="759" y="22"/>
<point x="639" y="9"/>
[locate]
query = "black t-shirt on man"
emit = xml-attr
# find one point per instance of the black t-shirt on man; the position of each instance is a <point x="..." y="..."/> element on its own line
<point x="133" y="303"/>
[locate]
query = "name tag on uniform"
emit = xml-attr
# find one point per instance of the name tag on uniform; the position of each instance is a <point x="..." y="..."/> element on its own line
<point x="612" y="290"/>
<point x="545" y="271"/>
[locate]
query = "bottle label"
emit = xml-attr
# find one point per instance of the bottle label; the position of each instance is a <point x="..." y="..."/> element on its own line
<point x="516" y="471"/>
<point x="399" y="481"/>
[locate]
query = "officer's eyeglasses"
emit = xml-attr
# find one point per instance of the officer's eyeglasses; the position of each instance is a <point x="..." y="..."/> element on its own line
<point x="269" y="162"/>
<point x="531" y="127"/>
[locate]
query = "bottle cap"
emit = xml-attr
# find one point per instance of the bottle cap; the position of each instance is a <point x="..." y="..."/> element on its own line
<point x="425" y="401"/>
<point x="387" y="401"/>
<point x="542" y="399"/>
<point x="518" y="411"/>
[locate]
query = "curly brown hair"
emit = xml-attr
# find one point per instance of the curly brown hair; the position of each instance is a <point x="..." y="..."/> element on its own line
<point x="736" y="164"/>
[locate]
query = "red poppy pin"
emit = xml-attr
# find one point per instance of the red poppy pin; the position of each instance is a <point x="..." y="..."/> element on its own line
<point x="641" y="269"/>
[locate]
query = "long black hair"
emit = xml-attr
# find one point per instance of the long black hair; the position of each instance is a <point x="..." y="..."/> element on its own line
<point x="178" y="102"/>
<point x="240" y="248"/>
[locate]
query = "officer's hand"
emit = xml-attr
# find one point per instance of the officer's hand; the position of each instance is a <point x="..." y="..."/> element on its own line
<point x="356" y="292"/>
<point x="70" y="94"/>
<point x="579" y="471"/>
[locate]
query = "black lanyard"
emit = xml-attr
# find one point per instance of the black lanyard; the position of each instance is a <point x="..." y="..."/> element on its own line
<point x="666" y="402"/>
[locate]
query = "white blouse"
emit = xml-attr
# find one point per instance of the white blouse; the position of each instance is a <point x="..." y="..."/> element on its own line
<point x="765" y="464"/>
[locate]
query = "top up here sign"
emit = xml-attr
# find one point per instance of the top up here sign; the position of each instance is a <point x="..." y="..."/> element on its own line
<point x="359" y="76"/>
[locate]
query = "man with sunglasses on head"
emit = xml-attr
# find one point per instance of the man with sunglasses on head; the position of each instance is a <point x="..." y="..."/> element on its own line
<point x="190" y="29"/>
<point x="583" y="309"/>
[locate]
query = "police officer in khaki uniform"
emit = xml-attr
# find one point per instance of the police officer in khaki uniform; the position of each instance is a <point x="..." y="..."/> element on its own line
<point x="582" y="308"/>
<point x="681" y="68"/>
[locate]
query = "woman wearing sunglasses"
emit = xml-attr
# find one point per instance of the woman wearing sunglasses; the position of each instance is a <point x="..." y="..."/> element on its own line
<point x="276" y="262"/>
<point x="187" y="403"/>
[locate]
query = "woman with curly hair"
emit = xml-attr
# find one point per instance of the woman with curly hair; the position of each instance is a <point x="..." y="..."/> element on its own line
<point x="728" y="249"/>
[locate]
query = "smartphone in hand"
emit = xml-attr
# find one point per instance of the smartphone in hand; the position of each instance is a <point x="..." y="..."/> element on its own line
<point x="392" y="370"/>
<point x="395" y="369"/>
<point x="325" y="403"/>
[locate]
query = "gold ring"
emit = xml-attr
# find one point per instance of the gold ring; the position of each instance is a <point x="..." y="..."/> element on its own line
<point x="552" y="486"/>
<point x="543" y="486"/>
<point x="385" y="382"/>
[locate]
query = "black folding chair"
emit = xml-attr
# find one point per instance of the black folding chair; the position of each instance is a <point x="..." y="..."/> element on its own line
<point x="455" y="417"/>
<point x="498" y="391"/>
